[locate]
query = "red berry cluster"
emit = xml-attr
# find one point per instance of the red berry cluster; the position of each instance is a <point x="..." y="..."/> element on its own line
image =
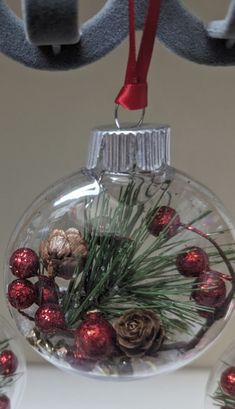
<point x="94" y="339"/>
<point x="24" y="264"/>
<point x="210" y="288"/>
<point x="22" y="293"/>
<point x="193" y="262"/>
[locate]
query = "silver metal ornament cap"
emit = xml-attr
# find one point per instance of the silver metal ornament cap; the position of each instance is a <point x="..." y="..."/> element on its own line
<point x="144" y="149"/>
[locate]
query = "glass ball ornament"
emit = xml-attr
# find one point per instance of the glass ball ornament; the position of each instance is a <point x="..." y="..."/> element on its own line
<point x="220" y="391"/>
<point x="12" y="368"/>
<point x="123" y="269"/>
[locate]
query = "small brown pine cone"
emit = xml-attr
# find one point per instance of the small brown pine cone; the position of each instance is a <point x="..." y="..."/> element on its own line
<point x="139" y="332"/>
<point x="65" y="268"/>
<point x="78" y="245"/>
<point x="62" y="250"/>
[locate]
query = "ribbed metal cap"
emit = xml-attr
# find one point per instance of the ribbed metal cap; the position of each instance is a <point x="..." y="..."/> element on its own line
<point x="145" y="149"/>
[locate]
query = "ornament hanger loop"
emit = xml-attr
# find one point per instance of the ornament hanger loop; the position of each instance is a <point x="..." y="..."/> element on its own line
<point x="118" y="124"/>
<point x="134" y="93"/>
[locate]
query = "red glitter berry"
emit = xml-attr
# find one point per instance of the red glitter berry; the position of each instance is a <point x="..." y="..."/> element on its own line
<point x="8" y="363"/>
<point x="46" y="291"/>
<point x="24" y="263"/>
<point x="49" y="318"/>
<point x="5" y="402"/>
<point x="165" y="219"/>
<point x="95" y="338"/>
<point x="21" y="294"/>
<point x="210" y="290"/>
<point x="227" y="381"/>
<point x="192" y="262"/>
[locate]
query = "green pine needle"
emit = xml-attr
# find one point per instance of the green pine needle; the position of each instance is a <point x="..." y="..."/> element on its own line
<point x="4" y="344"/>
<point x="222" y="399"/>
<point x="8" y="381"/>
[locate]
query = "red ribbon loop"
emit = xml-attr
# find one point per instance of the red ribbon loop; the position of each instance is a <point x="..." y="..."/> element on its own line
<point x="134" y="93"/>
<point x="133" y="96"/>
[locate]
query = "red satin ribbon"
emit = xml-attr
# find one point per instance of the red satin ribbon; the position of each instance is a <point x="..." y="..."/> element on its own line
<point x="134" y="93"/>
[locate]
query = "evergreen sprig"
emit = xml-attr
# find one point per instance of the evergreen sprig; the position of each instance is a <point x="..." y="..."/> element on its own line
<point x="126" y="268"/>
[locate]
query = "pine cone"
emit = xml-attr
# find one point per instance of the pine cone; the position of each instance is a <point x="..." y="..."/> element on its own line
<point x="65" y="268"/>
<point x="139" y="333"/>
<point x="62" y="250"/>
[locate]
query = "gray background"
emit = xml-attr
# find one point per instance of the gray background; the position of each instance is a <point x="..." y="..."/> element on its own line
<point x="45" y="120"/>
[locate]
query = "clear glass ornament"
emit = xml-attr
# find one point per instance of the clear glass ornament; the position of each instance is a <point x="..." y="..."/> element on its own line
<point x="123" y="268"/>
<point x="220" y="391"/>
<point x="12" y="367"/>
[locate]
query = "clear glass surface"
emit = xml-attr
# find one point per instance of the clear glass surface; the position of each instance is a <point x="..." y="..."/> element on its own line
<point x="126" y="260"/>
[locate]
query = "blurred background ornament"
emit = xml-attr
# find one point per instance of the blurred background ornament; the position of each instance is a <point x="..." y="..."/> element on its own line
<point x="12" y="368"/>
<point x="221" y="383"/>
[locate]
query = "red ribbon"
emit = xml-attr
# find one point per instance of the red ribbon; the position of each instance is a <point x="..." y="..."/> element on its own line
<point x="134" y="93"/>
